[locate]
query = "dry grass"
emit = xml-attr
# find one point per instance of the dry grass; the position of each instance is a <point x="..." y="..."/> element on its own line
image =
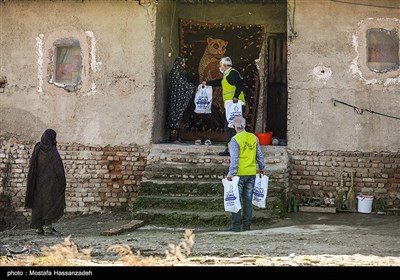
<point x="183" y="249"/>
<point x="58" y="253"/>
<point x="67" y="254"/>
<point x="175" y="254"/>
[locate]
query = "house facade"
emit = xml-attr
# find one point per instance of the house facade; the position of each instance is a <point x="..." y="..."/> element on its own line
<point x="322" y="75"/>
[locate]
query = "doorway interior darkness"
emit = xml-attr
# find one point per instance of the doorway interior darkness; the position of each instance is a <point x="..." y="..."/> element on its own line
<point x="276" y="107"/>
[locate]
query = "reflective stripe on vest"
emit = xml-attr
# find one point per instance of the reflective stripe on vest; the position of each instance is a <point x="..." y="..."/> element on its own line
<point x="228" y="90"/>
<point x="247" y="153"/>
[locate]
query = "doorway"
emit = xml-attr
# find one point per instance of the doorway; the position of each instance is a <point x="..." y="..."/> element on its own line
<point x="249" y="55"/>
<point x="203" y="45"/>
<point x="276" y="109"/>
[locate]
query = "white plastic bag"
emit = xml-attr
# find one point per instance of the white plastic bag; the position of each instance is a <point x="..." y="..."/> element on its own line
<point x="231" y="195"/>
<point x="260" y="191"/>
<point x="232" y="110"/>
<point x="203" y="100"/>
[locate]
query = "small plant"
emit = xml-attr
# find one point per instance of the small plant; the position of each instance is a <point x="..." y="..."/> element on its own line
<point x="183" y="249"/>
<point x="126" y="256"/>
<point x="176" y="253"/>
<point x="380" y="205"/>
<point x="59" y="253"/>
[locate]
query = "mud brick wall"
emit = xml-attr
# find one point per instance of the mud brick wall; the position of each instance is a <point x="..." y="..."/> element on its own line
<point x="98" y="178"/>
<point x="376" y="174"/>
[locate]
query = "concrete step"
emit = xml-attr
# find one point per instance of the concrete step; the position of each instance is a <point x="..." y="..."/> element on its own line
<point x="182" y="185"/>
<point x="180" y="218"/>
<point x="189" y="172"/>
<point x="195" y="154"/>
<point x="192" y="203"/>
<point x="168" y="187"/>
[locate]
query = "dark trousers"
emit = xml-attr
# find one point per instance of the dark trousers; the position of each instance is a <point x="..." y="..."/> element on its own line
<point x="230" y="132"/>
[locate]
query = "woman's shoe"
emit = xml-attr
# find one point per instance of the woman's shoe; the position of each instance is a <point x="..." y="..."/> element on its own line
<point x="51" y="231"/>
<point x="173" y="136"/>
<point x="39" y="231"/>
<point x="56" y="232"/>
<point x="48" y="233"/>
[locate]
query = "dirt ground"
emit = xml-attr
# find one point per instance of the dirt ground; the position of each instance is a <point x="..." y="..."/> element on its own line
<point x="300" y="239"/>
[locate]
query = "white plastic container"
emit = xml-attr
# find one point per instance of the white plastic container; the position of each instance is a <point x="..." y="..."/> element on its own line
<point x="365" y="203"/>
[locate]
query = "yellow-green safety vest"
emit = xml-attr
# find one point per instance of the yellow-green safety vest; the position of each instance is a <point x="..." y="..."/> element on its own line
<point x="228" y="90"/>
<point x="247" y="153"/>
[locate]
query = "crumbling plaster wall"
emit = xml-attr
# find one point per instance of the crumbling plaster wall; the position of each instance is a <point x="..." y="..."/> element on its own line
<point x="326" y="59"/>
<point x="115" y="104"/>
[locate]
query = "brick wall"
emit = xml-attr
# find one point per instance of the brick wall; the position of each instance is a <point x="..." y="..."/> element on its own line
<point x="376" y="174"/>
<point x="98" y="178"/>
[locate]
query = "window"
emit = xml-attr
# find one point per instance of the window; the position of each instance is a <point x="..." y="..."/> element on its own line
<point x="382" y="50"/>
<point x="67" y="63"/>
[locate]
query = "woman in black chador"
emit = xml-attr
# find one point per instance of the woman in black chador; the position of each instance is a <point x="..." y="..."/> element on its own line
<point x="180" y="92"/>
<point x="45" y="192"/>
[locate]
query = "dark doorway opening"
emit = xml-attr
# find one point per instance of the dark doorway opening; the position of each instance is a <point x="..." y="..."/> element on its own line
<point x="276" y="109"/>
<point x="203" y="45"/>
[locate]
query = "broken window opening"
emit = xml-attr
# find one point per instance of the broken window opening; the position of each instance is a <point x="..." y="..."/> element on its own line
<point x="67" y="64"/>
<point x="382" y="50"/>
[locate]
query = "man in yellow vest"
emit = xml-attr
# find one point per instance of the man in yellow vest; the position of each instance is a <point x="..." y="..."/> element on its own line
<point x="246" y="155"/>
<point x="232" y="89"/>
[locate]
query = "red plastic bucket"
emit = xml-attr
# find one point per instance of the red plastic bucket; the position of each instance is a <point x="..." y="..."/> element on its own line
<point x="264" y="138"/>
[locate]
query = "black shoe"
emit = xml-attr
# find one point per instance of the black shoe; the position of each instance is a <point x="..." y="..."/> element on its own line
<point x="245" y="228"/>
<point x="232" y="229"/>
<point x="52" y="231"/>
<point x="55" y="232"/>
<point x="224" y="153"/>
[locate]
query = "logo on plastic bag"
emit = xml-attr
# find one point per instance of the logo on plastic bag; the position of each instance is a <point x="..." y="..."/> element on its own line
<point x="203" y="103"/>
<point x="258" y="192"/>
<point x="230" y="195"/>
